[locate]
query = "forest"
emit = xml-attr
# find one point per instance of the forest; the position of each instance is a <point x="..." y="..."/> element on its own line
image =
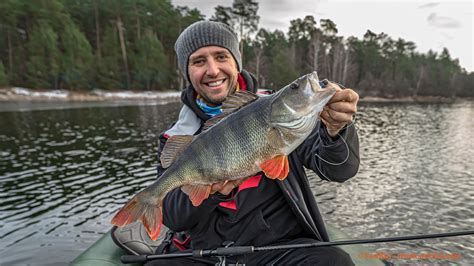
<point x="129" y="45"/>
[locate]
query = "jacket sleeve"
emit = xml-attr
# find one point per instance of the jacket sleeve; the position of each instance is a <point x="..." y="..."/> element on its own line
<point x="333" y="159"/>
<point x="178" y="212"/>
<point x="180" y="215"/>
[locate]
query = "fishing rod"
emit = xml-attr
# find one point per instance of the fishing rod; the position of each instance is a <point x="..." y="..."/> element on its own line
<point x="243" y="250"/>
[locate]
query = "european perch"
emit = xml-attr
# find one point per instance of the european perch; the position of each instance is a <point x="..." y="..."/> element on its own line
<point x="252" y="134"/>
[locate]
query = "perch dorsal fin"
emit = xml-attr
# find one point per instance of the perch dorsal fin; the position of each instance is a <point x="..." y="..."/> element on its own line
<point x="231" y="104"/>
<point x="174" y="146"/>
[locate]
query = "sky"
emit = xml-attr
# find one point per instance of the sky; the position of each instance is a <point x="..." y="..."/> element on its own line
<point x="430" y="25"/>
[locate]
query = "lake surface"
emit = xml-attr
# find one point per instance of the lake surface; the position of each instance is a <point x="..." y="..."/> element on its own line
<point x="65" y="172"/>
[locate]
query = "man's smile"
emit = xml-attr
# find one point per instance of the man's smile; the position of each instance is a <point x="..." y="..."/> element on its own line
<point x="215" y="83"/>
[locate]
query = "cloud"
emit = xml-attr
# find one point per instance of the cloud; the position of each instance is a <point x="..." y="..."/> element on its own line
<point x="429" y="5"/>
<point x="271" y="23"/>
<point x="442" y="22"/>
<point x="447" y="36"/>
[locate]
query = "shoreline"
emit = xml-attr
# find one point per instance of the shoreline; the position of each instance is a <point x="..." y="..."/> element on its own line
<point x="18" y="94"/>
<point x="414" y="99"/>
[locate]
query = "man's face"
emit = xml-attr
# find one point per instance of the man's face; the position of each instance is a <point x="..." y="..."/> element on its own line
<point x="213" y="73"/>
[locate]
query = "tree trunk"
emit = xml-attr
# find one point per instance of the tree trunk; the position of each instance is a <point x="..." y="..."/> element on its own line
<point x="327" y="65"/>
<point x="293" y="55"/>
<point x="316" y="46"/>
<point x="258" y="56"/>
<point x="394" y="68"/>
<point x="420" y="79"/>
<point x="345" y="67"/>
<point x="10" y="52"/>
<point x="124" y="50"/>
<point x="138" y="24"/>
<point x="452" y="85"/>
<point x="175" y="63"/>
<point x="97" y="32"/>
<point x="241" y="40"/>
<point x="335" y="63"/>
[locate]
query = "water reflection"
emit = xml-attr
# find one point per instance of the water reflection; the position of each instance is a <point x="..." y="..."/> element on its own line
<point x="63" y="174"/>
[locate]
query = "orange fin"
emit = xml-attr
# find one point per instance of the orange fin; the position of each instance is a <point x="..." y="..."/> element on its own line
<point x="277" y="167"/>
<point x="152" y="222"/>
<point x="149" y="215"/>
<point x="197" y="193"/>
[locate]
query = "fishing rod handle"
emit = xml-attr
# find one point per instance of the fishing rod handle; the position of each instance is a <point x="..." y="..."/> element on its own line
<point x="126" y="259"/>
<point x="234" y="251"/>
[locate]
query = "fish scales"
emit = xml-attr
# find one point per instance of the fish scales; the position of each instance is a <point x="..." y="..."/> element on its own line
<point x="243" y="136"/>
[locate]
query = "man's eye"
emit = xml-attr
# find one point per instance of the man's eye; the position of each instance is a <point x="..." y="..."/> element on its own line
<point x="222" y="57"/>
<point x="198" y="62"/>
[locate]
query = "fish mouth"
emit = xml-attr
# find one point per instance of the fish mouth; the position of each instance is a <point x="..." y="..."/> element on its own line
<point x="313" y="80"/>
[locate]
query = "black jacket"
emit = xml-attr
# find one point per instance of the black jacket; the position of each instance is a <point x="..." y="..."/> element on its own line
<point x="180" y="215"/>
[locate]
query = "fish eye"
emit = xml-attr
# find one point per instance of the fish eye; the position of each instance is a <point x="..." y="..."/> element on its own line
<point x="294" y="85"/>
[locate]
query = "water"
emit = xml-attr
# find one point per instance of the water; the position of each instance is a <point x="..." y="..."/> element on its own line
<point x="64" y="173"/>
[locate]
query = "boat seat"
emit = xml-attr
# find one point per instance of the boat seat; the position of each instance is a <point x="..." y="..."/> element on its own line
<point x="134" y="239"/>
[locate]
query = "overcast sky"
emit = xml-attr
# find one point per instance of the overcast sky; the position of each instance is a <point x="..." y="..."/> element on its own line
<point x="430" y="25"/>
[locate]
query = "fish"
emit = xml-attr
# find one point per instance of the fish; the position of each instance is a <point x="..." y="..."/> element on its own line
<point x="252" y="134"/>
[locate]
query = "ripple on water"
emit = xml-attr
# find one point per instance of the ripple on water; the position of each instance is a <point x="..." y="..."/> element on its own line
<point x="415" y="177"/>
<point x="64" y="174"/>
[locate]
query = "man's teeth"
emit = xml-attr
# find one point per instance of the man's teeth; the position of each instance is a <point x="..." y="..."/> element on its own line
<point x="215" y="83"/>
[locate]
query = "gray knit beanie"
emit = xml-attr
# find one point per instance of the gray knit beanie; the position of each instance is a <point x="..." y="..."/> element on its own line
<point x="206" y="33"/>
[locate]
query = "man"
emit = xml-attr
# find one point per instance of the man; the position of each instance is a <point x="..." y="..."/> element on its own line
<point x="255" y="210"/>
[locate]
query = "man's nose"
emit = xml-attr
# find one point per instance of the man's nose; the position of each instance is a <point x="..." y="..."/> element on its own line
<point x="212" y="68"/>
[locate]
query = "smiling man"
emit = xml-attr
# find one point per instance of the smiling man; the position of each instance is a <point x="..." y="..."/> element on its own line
<point x="254" y="210"/>
<point x="212" y="72"/>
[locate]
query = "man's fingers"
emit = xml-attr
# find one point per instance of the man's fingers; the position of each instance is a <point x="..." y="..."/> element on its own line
<point x="335" y="117"/>
<point x="238" y="182"/>
<point x="216" y="187"/>
<point x="227" y="186"/>
<point x="343" y="107"/>
<point x="333" y="85"/>
<point x="340" y="109"/>
<point x="346" y="95"/>
<point x="333" y="126"/>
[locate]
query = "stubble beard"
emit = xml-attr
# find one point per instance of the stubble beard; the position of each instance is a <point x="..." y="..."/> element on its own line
<point x="230" y="90"/>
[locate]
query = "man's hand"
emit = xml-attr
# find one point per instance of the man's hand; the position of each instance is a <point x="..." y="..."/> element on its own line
<point x="339" y="110"/>
<point x="226" y="187"/>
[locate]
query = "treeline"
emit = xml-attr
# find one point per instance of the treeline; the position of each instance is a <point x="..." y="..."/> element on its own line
<point x="375" y="65"/>
<point x="129" y="44"/>
<point x="78" y="45"/>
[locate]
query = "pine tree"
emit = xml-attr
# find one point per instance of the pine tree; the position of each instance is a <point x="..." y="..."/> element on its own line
<point x="3" y="76"/>
<point x="43" y="62"/>
<point x="76" y="59"/>
<point x="150" y="63"/>
<point x="109" y="75"/>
